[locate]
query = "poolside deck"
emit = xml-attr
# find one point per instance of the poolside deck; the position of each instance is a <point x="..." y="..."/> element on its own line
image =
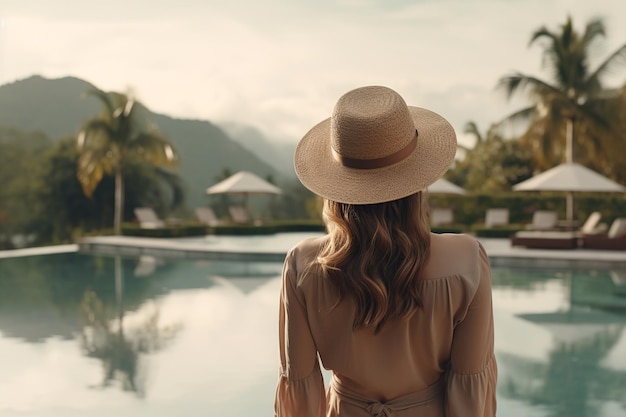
<point x="274" y="247"/>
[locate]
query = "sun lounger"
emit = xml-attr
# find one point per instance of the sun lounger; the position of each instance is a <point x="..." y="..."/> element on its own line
<point x="496" y="217"/>
<point x="239" y="214"/>
<point x="539" y="239"/>
<point x="615" y="239"/>
<point x="554" y="239"/>
<point x="206" y="215"/>
<point x="441" y="217"/>
<point x="148" y="219"/>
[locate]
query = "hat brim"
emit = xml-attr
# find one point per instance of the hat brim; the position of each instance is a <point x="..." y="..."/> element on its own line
<point x="323" y="175"/>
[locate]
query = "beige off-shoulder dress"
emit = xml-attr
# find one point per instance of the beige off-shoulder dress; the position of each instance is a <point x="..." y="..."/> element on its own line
<point x="439" y="362"/>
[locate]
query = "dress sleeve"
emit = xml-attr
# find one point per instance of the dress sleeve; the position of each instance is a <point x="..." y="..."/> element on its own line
<point x="473" y="373"/>
<point x="300" y="391"/>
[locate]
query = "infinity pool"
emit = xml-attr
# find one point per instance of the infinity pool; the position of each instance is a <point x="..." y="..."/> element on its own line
<point x="101" y="336"/>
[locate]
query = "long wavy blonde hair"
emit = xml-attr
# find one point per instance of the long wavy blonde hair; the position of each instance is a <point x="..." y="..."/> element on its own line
<point x="375" y="254"/>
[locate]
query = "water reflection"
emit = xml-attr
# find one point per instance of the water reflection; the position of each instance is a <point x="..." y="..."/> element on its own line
<point x="572" y="379"/>
<point x="200" y="337"/>
<point x="571" y="383"/>
<point x="121" y="351"/>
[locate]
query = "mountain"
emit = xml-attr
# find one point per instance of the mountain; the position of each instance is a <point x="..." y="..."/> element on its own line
<point x="279" y="155"/>
<point x="55" y="107"/>
<point x="58" y="108"/>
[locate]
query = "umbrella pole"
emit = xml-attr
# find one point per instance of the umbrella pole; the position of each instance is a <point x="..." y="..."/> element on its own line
<point x="570" y="207"/>
<point x="569" y="144"/>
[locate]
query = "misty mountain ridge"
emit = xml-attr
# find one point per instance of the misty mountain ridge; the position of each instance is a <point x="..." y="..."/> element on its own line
<point x="58" y="108"/>
<point x="277" y="153"/>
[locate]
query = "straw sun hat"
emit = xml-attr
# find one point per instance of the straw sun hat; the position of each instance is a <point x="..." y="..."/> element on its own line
<point x="374" y="149"/>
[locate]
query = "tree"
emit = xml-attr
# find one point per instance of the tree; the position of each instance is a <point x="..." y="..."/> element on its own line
<point x="107" y="141"/>
<point x="56" y="190"/>
<point x="21" y="156"/>
<point x="575" y="97"/>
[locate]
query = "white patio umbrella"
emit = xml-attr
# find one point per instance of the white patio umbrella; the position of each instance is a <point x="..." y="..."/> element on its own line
<point x="443" y="186"/>
<point x="570" y="178"/>
<point x="243" y="182"/>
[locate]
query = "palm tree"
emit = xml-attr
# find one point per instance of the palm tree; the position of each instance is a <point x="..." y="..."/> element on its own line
<point x="105" y="141"/>
<point x="574" y="98"/>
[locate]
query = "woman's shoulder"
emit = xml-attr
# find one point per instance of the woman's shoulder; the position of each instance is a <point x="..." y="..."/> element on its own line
<point x="311" y="244"/>
<point x="456" y="255"/>
<point x="306" y="250"/>
<point x="455" y="242"/>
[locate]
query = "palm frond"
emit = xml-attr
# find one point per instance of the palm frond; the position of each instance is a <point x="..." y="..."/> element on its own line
<point x="104" y="98"/>
<point x="175" y="183"/>
<point x="92" y="165"/>
<point x="155" y="148"/>
<point x="472" y="129"/>
<point x="540" y="33"/>
<point x="94" y="130"/>
<point x="618" y="57"/>
<point x="593" y="29"/>
<point x="519" y="82"/>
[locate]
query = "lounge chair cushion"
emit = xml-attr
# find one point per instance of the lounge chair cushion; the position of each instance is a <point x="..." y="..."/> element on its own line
<point x="618" y="228"/>
<point x="441" y="216"/>
<point x="207" y="216"/>
<point x="544" y="220"/>
<point x="148" y="219"/>
<point x="497" y="217"/>
<point x="591" y="224"/>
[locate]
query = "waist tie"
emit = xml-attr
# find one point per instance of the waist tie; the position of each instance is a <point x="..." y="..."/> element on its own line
<point x="387" y="408"/>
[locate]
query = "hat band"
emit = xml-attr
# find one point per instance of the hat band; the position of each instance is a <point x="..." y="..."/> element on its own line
<point x="376" y="162"/>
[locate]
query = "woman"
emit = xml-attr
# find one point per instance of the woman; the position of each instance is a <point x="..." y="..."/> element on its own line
<point x="402" y="317"/>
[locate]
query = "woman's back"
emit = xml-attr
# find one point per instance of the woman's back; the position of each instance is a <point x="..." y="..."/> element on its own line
<point x="407" y="356"/>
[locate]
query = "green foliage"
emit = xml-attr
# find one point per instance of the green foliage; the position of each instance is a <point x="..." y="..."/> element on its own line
<point x="613" y="141"/>
<point x="502" y="232"/>
<point x="295" y="202"/>
<point x="178" y="230"/>
<point x="493" y="164"/>
<point x="20" y="159"/>
<point x="449" y="229"/>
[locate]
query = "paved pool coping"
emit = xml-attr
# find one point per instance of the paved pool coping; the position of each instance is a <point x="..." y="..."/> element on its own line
<point x="272" y="248"/>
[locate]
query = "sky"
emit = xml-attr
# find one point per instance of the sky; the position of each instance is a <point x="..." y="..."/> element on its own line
<point x="280" y="65"/>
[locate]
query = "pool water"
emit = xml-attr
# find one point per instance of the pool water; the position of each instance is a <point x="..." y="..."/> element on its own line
<point x="101" y="336"/>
